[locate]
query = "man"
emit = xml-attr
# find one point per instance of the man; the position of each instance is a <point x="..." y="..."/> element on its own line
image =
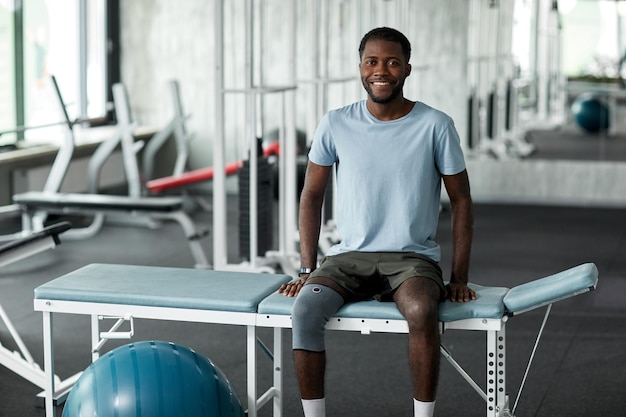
<point x="391" y="155"/>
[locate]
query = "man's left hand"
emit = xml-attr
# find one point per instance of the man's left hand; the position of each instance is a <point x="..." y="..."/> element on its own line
<point x="459" y="292"/>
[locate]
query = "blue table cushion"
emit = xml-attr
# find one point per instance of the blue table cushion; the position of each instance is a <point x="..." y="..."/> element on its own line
<point x="252" y="292"/>
<point x="277" y="304"/>
<point x="552" y="288"/>
<point x="161" y="287"/>
<point x="488" y="304"/>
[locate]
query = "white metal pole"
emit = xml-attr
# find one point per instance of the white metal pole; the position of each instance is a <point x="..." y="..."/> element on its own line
<point x="542" y="59"/>
<point x="251" y="370"/>
<point x="220" y="257"/>
<point x="48" y="360"/>
<point x="83" y="40"/>
<point x="250" y="107"/>
<point x="290" y="196"/>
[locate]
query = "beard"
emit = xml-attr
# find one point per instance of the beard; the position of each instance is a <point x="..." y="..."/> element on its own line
<point x="397" y="91"/>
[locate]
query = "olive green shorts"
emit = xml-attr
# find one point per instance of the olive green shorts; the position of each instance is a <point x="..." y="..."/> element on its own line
<point x="377" y="274"/>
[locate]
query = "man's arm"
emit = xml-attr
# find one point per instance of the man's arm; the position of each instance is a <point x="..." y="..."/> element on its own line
<point x="458" y="189"/>
<point x="309" y="222"/>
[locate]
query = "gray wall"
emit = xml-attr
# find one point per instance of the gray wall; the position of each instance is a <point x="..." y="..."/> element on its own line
<point x="172" y="39"/>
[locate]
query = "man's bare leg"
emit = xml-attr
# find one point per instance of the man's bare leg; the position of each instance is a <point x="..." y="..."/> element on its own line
<point x="418" y="301"/>
<point x="310" y="368"/>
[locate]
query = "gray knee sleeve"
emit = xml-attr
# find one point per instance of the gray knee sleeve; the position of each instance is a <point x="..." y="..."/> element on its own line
<point x="313" y="307"/>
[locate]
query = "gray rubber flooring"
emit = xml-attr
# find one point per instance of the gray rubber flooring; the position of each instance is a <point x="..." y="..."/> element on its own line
<point x="579" y="368"/>
<point x="570" y="142"/>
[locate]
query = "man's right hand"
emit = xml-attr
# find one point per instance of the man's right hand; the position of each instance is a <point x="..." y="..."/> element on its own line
<point x="292" y="288"/>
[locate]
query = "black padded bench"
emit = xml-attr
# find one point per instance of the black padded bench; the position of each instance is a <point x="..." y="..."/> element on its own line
<point x="163" y="208"/>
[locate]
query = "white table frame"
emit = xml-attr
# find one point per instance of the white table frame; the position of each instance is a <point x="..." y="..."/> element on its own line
<point x="494" y="394"/>
<point x="56" y="390"/>
<point x="126" y="312"/>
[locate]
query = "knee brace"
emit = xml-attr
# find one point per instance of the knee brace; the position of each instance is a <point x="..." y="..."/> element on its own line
<point x="313" y="307"/>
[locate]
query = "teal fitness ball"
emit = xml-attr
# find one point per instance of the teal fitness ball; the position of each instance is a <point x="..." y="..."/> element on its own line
<point x="590" y="113"/>
<point x="152" y="378"/>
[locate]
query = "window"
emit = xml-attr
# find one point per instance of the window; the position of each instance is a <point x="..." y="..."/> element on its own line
<point x="593" y="38"/>
<point x="69" y="39"/>
<point x="7" y="72"/>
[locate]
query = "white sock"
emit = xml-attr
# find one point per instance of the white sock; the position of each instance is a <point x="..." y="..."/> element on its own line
<point x="314" y="408"/>
<point x="423" y="409"/>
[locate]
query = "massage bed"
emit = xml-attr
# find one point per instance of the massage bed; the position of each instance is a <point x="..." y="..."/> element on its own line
<point x="122" y="293"/>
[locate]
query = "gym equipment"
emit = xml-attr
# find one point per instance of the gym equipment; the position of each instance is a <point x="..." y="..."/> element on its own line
<point x="264" y="210"/>
<point x="153" y="378"/>
<point x="35" y="206"/>
<point x="141" y="180"/>
<point x="250" y="299"/>
<point x="160" y="208"/>
<point x="190" y="177"/>
<point x="21" y="362"/>
<point x="286" y="255"/>
<point x="590" y="113"/>
<point x="492" y="103"/>
<point x="57" y="171"/>
<point x="21" y="129"/>
<point x="609" y="95"/>
<point x="123" y="139"/>
<point x="32" y="244"/>
<point x="176" y="128"/>
<point x="202" y="174"/>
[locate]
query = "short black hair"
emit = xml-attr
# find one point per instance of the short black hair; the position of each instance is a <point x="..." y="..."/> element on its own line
<point x="387" y="34"/>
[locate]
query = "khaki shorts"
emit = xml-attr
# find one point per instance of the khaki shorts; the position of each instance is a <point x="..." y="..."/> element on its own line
<point x="377" y="274"/>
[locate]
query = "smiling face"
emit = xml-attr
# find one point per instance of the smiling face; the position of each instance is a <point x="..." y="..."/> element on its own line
<point x="383" y="70"/>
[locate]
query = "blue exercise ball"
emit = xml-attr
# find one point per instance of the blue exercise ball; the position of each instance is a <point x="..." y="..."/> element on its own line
<point x="590" y="113"/>
<point x="152" y="378"/>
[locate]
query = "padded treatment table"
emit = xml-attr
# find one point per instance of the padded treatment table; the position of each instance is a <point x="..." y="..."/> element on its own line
<point x="124" y="293"/>
<point x="164" y="208"/>
<point x="489" y="313"/>
<point x="249" y="299"/>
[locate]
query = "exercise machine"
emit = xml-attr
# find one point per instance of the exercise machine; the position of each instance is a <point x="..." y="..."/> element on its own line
<point x="492" y="104"/>
<point x="59" y="167"/>
<point x="160" y="208"/>
<point x="253" y="93"/>
<point x="21" y="361"/>
<point x="175" y="129"/>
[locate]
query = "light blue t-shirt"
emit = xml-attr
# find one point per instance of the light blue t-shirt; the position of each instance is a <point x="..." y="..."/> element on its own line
<point x="388" y="176"/>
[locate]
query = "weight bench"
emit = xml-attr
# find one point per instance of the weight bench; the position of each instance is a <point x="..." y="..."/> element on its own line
<point x="160" y="208"/>
<point x="21" y="362"/>
<point x="250" y="300"/>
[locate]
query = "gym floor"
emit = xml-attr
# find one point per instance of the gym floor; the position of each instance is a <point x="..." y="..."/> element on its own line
<point x="579" y="366"/>
<point x="572" y="143"/>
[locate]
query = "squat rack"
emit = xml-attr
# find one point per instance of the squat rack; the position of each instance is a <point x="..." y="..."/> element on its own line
<point x="287" y="238"/>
